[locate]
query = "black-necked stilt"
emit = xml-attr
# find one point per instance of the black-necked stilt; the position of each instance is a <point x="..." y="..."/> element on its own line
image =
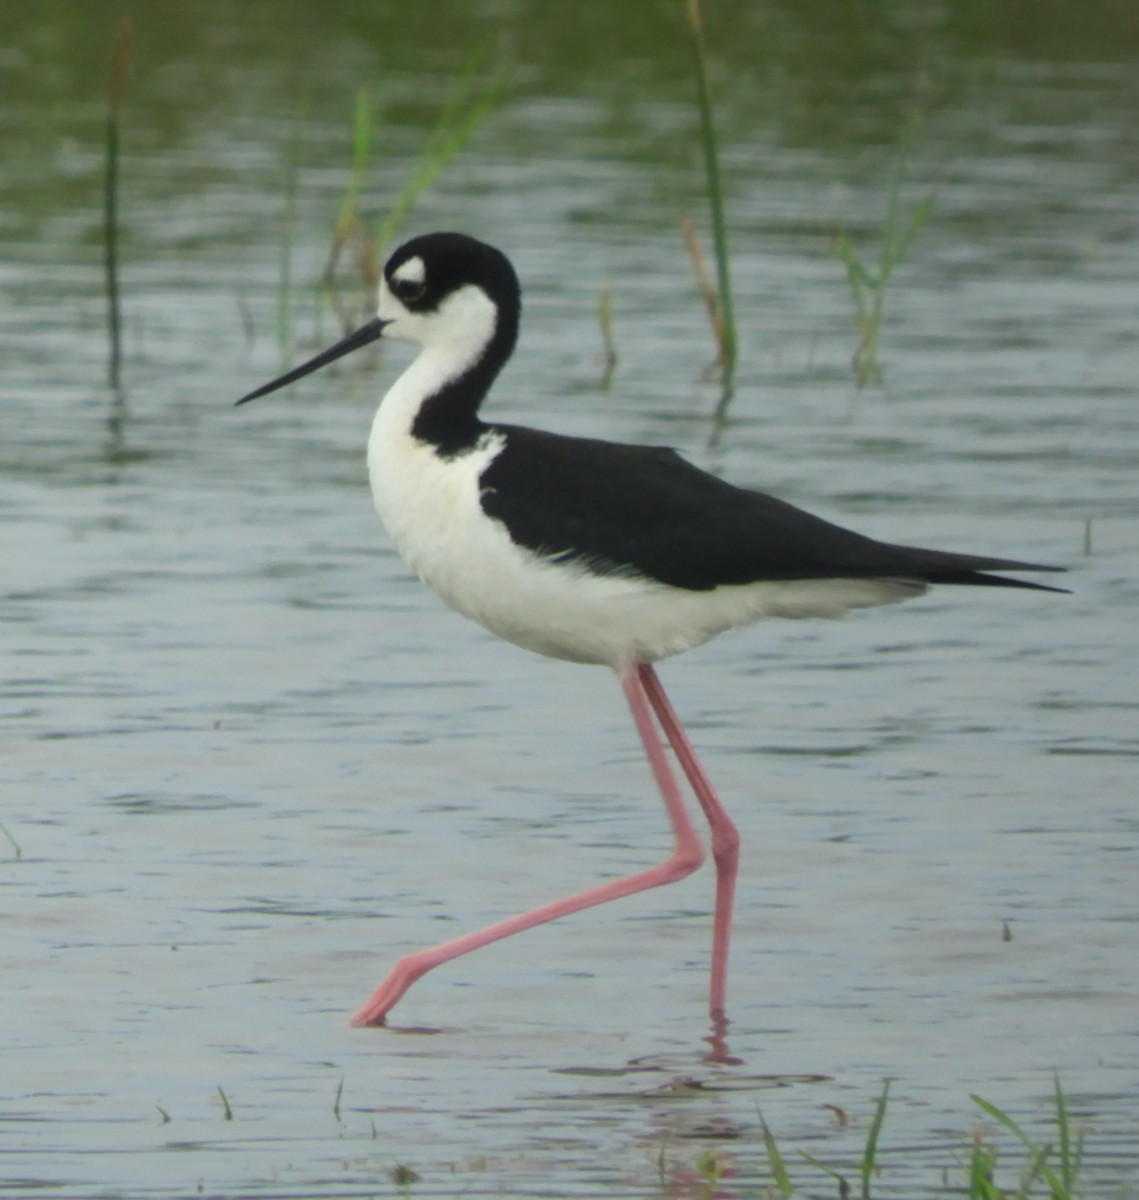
<point x="587" y="550"/>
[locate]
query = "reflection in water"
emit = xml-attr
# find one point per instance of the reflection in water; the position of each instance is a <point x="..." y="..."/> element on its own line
<point x="115" y="447"/>
<point x="718" y="1042"/>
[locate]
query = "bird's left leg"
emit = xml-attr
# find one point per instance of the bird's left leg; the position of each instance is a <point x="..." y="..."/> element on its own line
<point x="725" y="838"/>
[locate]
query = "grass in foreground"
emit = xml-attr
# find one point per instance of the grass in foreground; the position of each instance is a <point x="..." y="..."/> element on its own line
<point x="1048" y="1169"/>
<point x="984" y="1170"/>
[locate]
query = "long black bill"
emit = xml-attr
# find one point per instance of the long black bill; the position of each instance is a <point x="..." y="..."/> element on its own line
<point x="365" y="334"/>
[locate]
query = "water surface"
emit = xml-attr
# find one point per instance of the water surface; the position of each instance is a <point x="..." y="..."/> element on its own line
<point x="248" y="761"/>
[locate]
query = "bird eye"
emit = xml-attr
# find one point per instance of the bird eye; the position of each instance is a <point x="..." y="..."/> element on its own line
<point x="409" y="290"/>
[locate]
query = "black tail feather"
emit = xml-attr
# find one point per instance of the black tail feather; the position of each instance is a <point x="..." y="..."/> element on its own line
<point x="981" y="578"/>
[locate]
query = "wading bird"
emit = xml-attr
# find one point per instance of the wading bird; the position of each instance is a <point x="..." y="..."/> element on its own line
<point x="588" y="550"/>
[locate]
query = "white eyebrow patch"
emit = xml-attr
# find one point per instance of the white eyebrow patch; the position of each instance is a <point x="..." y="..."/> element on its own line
<point x="412" y="271"/>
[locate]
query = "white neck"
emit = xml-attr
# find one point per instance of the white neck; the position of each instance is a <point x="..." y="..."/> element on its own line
<point x="432" y="369"/>
<point x="452" y="338"/>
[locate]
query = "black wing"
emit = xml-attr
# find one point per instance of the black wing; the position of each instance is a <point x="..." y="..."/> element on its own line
<point x="643" y="510"/>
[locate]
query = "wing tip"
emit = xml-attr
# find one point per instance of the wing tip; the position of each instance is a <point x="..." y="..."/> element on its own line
<point x="982" y="577"/>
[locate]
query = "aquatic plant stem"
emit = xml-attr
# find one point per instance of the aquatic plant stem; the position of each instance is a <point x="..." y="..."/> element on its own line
<point x="15" y="844"/>
<point x="1060" y="1186"/>
<point x="726" y="307"/>
<point x="704" y="283"/>
<point x="868" y="288"/>
<point x="116" y="86"/>
<point x="466" y="107"/>
<point x="348" y="224"/>
<point x="608" y="339"/>
<point x="870" y="1153"/>
<point x="465" y="110"/>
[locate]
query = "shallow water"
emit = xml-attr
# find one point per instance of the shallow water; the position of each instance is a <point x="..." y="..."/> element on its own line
<point x="247" y="761"/>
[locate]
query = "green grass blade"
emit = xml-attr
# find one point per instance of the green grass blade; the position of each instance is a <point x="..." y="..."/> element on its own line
<point x="1002" y="1118"/>
<point x="1064" y="1133"/>
<point x="1071" y="1153"/>
<point x="858" y="279"/>
<point x="608" y="337"/>
<point x="116" y="87"/>
<point x="776" y="1163"/>
<point x="1050" y="1177"/>
<point x="467" y="106"/>
<point x="918" y="217"/>
<point x="837" y="1176"/>
<point x="362" y="125"/>
<point x="715" y="197"/>
<point x="868" y="289"/>
<point x="1033" y="1170"/>
<point x="982" y="1165"/>
<point x="348" y="229"/>
<point x="869" y="1154"/>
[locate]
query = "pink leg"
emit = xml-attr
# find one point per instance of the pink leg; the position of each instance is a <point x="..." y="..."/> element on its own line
<point x="683" y="861"/>
<point x="725" y="839"/>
